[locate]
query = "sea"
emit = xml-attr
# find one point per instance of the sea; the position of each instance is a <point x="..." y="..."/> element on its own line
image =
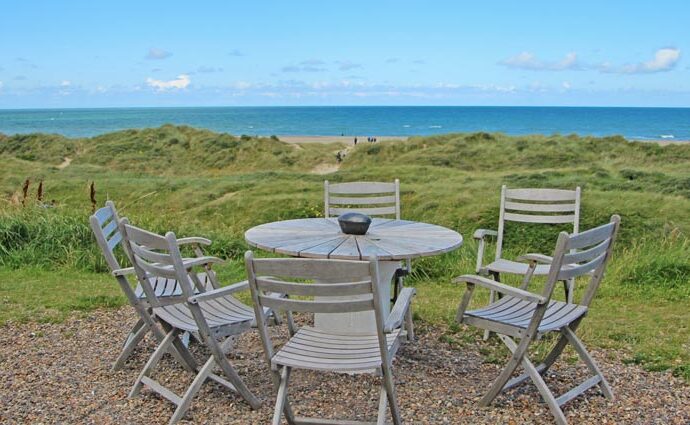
<point x="671" y="124"/>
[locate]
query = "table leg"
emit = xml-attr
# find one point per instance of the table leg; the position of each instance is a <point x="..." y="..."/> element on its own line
<point x="362" y="323"/>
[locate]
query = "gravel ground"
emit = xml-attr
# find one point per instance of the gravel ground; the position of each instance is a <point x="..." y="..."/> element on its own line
<point x="60" y="373"/>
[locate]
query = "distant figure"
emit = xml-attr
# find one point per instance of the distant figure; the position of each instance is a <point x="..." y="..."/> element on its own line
<point x="339" y="157"/>
<point x="369" y="139"/>
<point x="374" y="139"/>
<point x="355" y="141"/>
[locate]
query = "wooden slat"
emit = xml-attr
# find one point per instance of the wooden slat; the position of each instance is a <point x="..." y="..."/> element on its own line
<point x="361" y="188"/>
<point x="150" y="256"/>
<point x="591" y="237"/>
<point x="589" y="383"/>
<point x="324" y="249"/>
<point x="155" y="270"/>
<point x="314" y="289"/>
<point x="541" y="194"/>
<point x="550" y="219"/>
<point x="520" y="206"/>
<point x="146" y="238"/>
<point x="339" y="306"/>
<point x="155" y="386"/>
<point x="103" y="215"/>
<point x="586" y="255"/>
<point x="114" y="241"/>
<point x="367" y="211"/>
<point x="109" y="228"/>
<point x="311" y="268"/>
<point x="346" y="250"/>
<point x="364" y="200"/>
<point x="581" y="269"/>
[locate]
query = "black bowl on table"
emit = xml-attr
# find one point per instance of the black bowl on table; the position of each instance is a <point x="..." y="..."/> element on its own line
<point x="354" y="223"/>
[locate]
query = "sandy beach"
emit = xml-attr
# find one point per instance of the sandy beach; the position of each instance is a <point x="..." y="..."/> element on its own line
<point x="336" y="139"/>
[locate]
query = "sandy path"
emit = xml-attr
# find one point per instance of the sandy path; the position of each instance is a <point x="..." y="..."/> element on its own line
<point x="64" y="164"/>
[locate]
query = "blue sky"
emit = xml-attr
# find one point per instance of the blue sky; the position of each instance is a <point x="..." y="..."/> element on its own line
<point x="150" y="53"/>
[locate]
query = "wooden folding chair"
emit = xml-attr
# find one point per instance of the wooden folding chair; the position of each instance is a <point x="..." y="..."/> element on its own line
<point x="315" y="349"/>
<point x="527" y="316"/>
<point x="214" y="315"/>
<point x="376" y="199"/>
<point x="104" y="224"/>
<point x="542" y="206"/>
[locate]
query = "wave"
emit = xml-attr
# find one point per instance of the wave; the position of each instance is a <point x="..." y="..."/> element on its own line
<point x="667" y="136"/>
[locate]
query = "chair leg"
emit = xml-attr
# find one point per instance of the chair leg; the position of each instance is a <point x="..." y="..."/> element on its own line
<point x="131" y="343"/>
<point x="389" y="386"/>
<point x="533" y="373"/>
<point x="383" y="406"/>
<point x="500" y="382"/>
<point x="281" y="398"/>
<point x="492" y="299"/>
<point x="192" y="390"/>
<point x="409" y="324"/>
<point x="231" y="373"/>
<point x="569" y="288"/>
<point x="153" y="361"/>
<point x="589" y="361"/>
<point x="543" y="367"/>
<point x="546" y="394"/>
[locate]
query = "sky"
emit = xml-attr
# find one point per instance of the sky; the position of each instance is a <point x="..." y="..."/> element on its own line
<point x="255" y="53"/>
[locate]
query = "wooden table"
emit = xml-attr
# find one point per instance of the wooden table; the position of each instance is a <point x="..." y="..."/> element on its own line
<point x="388" y="240"/>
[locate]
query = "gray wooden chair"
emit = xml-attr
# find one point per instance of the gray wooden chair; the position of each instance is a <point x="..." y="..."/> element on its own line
<point x="376" y="199"/>
<point x="215" y="315"/>
<point x="544" y="206"/>
<point x="311" y="348"/>
<point x="528" y="316"/>
<point x="104" y="224"/>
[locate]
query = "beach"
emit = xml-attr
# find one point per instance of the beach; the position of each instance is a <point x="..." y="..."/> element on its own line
<point x="337" y="139"/>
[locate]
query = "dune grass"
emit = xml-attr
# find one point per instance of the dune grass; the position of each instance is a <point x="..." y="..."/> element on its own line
<point x="196" y="182"/>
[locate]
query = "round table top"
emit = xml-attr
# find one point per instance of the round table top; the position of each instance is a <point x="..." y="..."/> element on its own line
<point x="386" y="239"/>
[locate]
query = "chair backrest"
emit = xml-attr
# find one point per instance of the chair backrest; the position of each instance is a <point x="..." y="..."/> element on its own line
<point x="371" y="198"/>
<point x="104" y="224"/>
<point x="154" y="255"/>
<point x="584" y="253"/>
<point x="334" y="278"/>
<point x="545" y="206"/>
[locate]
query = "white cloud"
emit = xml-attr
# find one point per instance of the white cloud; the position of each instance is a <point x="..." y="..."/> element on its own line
<point x="1" y="84"/>
<point x="155" y="53"/>
<point x="235" y="52"/>
<point x="392" y="60"/>
<point x="181" y="82"/>
<point x="664" y="60"/>
<point x="65" y="83"/>
<point x="528" y="61"/>
<point x="566" y="85"/>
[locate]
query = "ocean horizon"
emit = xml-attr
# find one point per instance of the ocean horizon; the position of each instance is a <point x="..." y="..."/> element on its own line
<point x="637" y="123"/>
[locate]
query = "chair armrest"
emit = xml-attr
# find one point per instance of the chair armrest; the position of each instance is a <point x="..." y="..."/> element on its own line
<point x="201" y="261"/>
<point x="194" y="240"/>
<point x="537" y="258"/>
<point x="123" y="272"/>
<point x="500" y="287"/>
<point x="397" y="314"/>
<point x="480" y="234"/>
<point x="220" y="292"/>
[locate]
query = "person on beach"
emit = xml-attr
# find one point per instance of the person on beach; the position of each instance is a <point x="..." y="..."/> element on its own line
<point x="355" y="141"/>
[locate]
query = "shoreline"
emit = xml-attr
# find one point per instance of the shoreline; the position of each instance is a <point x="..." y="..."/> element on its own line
<point x="349" y="140"/>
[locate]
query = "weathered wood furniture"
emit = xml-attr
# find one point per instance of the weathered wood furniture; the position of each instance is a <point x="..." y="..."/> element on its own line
<point x="544" y="206"/>
<point x="214" y="315"/>
<point x="375" y="199"/>
<point x="104" y="224"/>
<point x="528" y="316"/>
<point x="316" y="349"/>
<point x="388" y="240"/>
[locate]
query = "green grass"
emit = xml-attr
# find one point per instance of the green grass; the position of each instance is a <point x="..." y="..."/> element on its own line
<point x="196" y="182"/>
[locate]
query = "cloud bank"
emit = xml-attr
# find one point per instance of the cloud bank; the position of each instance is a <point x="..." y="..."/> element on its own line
<point x="529" y="61"/>
<point x="664" y="60"/>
